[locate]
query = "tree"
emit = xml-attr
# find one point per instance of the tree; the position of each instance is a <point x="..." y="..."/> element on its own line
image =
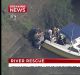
<point x="57" y="13"/>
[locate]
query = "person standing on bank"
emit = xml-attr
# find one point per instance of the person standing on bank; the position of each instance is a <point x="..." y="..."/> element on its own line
<point x="39" y="38"/>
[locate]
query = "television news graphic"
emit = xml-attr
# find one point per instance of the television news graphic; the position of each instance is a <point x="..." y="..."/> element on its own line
<point x="43" y="62"/>
<point x="19" y="8"/>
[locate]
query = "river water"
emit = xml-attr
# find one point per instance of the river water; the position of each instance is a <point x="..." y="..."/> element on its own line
<point x="28" y="51"/>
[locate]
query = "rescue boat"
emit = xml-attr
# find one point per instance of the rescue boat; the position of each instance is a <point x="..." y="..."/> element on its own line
<point x="68" y="50"/>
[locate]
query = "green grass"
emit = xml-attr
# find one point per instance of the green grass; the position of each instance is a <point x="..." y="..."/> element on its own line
<point x="27" y="24"/>
<point x="6" y="27"/>
<point x="5" y="3"/>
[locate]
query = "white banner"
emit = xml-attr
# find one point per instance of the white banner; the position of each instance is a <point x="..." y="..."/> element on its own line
<point x="44" y="65"/>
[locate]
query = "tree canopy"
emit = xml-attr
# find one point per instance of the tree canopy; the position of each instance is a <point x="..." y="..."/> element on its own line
<point x="57" y="12"/>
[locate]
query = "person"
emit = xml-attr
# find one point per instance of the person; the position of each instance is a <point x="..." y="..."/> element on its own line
<point x="61" y="40"/>
<point x="39" y="38"/>
<point x="56" y="33"/>
<point x="31" y="37"/>
<point x="50" y="33"/>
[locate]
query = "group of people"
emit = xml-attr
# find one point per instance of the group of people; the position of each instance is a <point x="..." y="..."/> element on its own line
<point x="37" y="37"/>
<point x="54" y="33"/>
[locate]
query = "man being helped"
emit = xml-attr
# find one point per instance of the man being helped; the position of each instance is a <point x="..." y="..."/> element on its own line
<point x="39" y="38"/>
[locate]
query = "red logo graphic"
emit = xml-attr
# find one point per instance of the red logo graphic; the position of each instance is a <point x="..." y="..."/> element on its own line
<point x="17" y="8"/>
